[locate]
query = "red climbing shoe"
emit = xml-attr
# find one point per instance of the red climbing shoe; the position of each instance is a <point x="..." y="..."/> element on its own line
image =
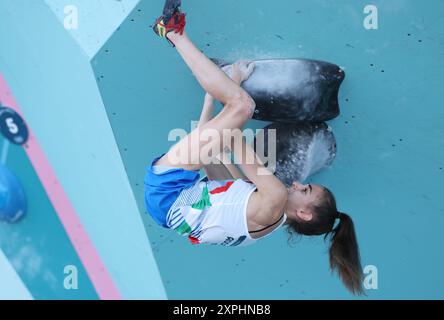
<point x="172" y="19"/>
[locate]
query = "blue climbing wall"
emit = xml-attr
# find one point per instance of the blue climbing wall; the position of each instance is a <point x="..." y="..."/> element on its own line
<point x="389" y="167"/>
<point x="48" y="70"/>
<point x="102" y="100"/>
<point x="37" y="247"/>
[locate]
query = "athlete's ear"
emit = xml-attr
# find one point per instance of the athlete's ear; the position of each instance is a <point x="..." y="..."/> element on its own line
<point x="304" y="215"/>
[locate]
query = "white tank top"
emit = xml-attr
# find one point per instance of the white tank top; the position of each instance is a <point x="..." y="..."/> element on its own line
<point x="214" y="212"/>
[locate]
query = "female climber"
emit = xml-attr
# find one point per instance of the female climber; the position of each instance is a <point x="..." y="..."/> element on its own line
<point x="229" y="207"/>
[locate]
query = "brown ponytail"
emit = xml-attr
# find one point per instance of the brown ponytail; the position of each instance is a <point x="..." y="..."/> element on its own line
<point x="344" y="250"/>
<point x="344" y="254"/>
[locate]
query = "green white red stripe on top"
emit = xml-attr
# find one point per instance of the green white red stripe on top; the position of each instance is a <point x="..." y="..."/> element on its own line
<point x="213" y="212"/>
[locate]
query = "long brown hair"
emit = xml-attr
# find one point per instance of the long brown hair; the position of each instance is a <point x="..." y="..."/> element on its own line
<point x="344" y="249"/>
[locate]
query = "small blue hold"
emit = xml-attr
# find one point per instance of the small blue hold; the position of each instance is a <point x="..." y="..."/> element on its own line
<point x="13" y="204"/>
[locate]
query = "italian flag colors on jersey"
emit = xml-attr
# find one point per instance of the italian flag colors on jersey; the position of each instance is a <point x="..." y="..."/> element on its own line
<point x="212" y="212"/>
<point x="204" y="202"/>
